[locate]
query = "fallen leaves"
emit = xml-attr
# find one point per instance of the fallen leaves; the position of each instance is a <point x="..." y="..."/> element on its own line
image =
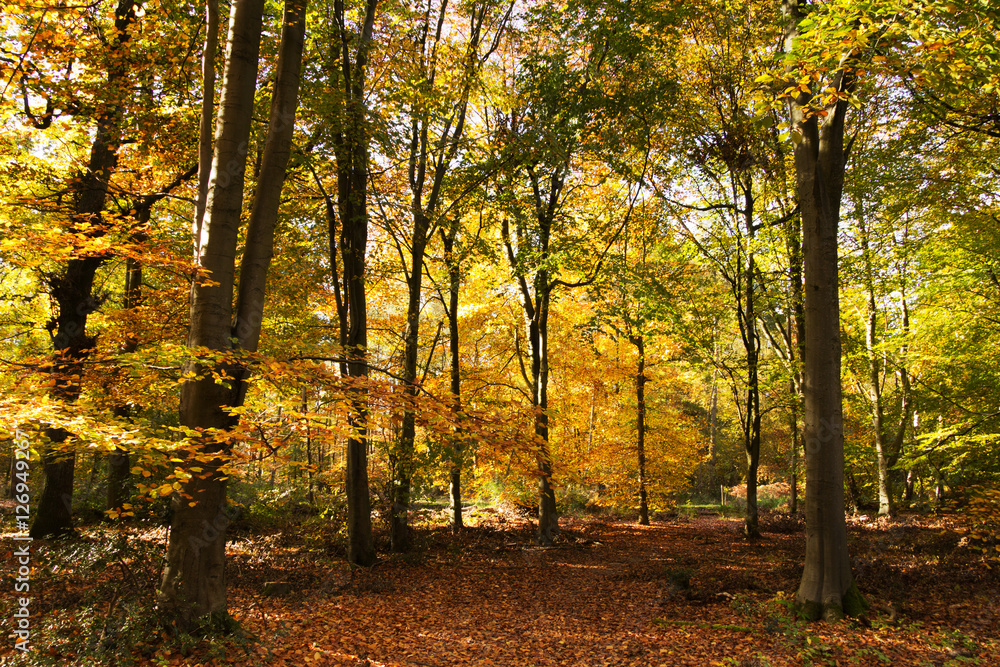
<point x="675" y="593"/>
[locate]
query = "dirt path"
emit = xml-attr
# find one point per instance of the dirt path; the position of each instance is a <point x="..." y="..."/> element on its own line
<point x="692" y="593"/>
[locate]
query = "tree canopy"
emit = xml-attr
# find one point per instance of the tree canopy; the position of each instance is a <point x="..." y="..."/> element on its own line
<point x="615" y="256"/>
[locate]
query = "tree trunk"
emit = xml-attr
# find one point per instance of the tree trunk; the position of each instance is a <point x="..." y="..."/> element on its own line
<point x="908" y="489"/>
<point x="827" y="588"/>
<point x="259" y="247"/>
<point x="793" y="464"/>
<point x="548" y="516"/>
<point x="535" y="302"/>
<point x="457" y="453"/>
<point x="399" y="537"/>
<point x="205" y="122"/>
<point x="796" y="351"/>
<point x="640" y="399"/>
<point x="72" y="290"/>
<point x="118" y="460"/>
<point x="713" y="423"/>
<point x="885" y="505"/>
<point x="751" y="345"/>
<point x="194" y="584"/>
<point x="351" y="150"/>
<point x="54" y="517"/>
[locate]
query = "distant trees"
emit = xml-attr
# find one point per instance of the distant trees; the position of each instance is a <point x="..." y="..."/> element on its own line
<point x="608" y="188"/>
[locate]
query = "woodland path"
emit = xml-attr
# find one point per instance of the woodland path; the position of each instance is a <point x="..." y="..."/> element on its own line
<point x="681" y="592"/>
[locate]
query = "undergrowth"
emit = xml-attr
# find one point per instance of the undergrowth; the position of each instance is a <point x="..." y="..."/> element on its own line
<point x="97" y="606"/>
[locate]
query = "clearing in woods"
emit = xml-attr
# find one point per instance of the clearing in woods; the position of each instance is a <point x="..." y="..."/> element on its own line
<point x="686" y="591"/>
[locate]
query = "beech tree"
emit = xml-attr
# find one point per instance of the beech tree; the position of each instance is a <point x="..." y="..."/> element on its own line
<point x="638" y="296"/>
<point x="348" y="69"/>
<point x="437" y="123"/>
<point x="529" y="227"/>
<point x="725" y="195"/>
<point x="827" y="588"/>
<point x="194" y="582"/>
<point x="72" y="286"/>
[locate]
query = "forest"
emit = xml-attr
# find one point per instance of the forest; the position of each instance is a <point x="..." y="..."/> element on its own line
<point x="500" y="332"/>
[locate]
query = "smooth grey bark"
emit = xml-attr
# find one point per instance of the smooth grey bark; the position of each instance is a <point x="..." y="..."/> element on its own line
<point x="827" y="589"/>
<point x="206" y="117"/>
<point x="194" y="583"/>
<point x="267" y="197"/>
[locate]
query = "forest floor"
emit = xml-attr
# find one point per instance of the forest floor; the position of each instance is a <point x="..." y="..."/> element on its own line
<point x="685" y="591"/>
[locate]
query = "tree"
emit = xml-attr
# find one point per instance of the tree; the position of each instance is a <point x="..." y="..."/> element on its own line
<point x="827" y="588"/>
<point x="348" y="71"/>
<point x="727" y="197"/>
<point x="194" y="583"/>
<point x="72" y="288"/>
<point x="441" y="109"/>
<point x="637" y="298"/>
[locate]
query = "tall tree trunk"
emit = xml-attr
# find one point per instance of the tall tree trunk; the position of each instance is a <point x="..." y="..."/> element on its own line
<point x="713" y="423"/>
<point x="751" y="346"/>
<point x="399" y="538"/>
<point x="310" y="497"/>
<point x="194" y="583"/>
<point x="796" y="348"/>
<point x="457" y="446"/>
<point x="640" y="399"/>
<point x="351" y="150"/>
<point x="205" y="125"/>
<point x="118" y="459"/>
<point x="827" y="588"/>
<point x="548" y="516"/>
<point x="72" y="289"/>
<point x="793" y="454"/>
<point x="259" y="247"/>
